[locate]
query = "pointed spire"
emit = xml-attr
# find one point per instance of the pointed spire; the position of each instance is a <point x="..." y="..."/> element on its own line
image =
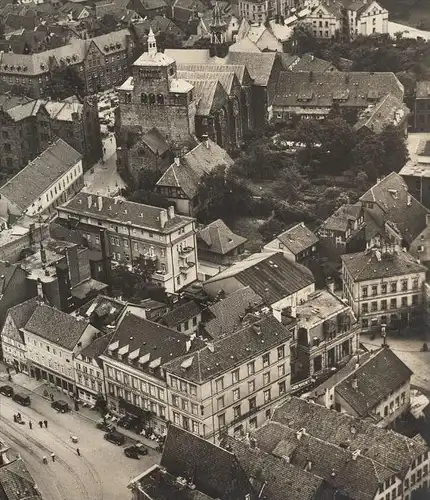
<point x="152" y="43"/>
<point x="217" y="20"/>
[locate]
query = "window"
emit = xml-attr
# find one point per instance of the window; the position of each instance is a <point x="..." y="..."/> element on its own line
<point x="393" y="303"/>
<point x="364" y="323"/>
<point x="364" y="291"/>
<point x="281" y="370"/>
<point x="195" y="427"/>
<point x="365" y="308"/>
<point x="251" y="368"/>
<point x="266" y="360"/>
<point x="393" y="287"/>
<point x="384" y="288"/>
<point x="404" y="301"/>
<point x="282" y="388"/>
<point x="415" y="284"/>
<point x="404" y="285"/>
<point x="252" y="403"/>
<point x="221" y="420"/>
<point x="236" y="411"/>
<point x="383" y="305"/>
<point x="220" y="403"/>
<point x="175" y="401"/>
<point x="219" y="384"/>
<point x="266" y="378"/>
<point x="374" y="289"/>
<point x="194" y="409"/>
<point x="7" y="148"/>
<point x="193" y="390"/>
<point x="176" y="418"/>
<point x="406" y="484"/>
<point x="236" y="394"/>
<point x="235" y="376"/>
<point x="374" y="306"/>
<point x="251" y="386"/>
<point x="185" y="405"/>
<point x="267" y="396"/>
<point x="174" y="382"/>
<point x="414" y="300"/>
<point x="281" y="352"/>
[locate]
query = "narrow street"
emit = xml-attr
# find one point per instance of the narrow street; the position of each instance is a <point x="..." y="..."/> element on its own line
<point x="101" y="472"/>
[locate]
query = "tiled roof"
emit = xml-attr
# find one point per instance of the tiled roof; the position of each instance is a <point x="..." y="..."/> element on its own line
<point x="390" y="449"/>
<point x="398" y="206"/>
<point x="423" y="89"/>
<point x="6" y="273"/>
<point x="97" y="347"/>
<point x="270" y="275"/>
<point x="56" y="326"/>
<point x="306" y="89"/>
<point x="309" y="62"/>
<point x="150" y="340"/>
<point x="389" y="111"/>
<point x="155" y="141"/>
<point x="33" y="180"/>
<point x="201" y="160"/>
<point x="215" y="471"/>
<point x="217" y="238"/>
<point x="288" y="60"/>
<point x="298" y="238"/>
<point x="244" y="45"/>
<point x="181" y="313"/>
<point x="364" y="266"/>
<point x="227" y="79"/>
<point x="259" y="66"/>
<point x="328" y="461"/>
<point x="382" y="374"/>
<point x="22" y="312"/>
<point x="229" y="312"/>
<point x="238" y="69"/>
<point x="158" y="24"/>
<point x="16" y="482"/>
<point x="341" y="219"/>
<point x="230" y="350"/>
<point x="189" y="56"/>
<point x="205" y="92"/>
<point x="135" y="214"/>
<point x="103" y="311"/>
<point x="281" y="480"/>
<point x="63" y="111"/>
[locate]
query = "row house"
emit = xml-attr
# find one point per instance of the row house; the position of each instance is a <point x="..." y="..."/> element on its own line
<point x="384" y="286"/>
<point x="131" y="232"/>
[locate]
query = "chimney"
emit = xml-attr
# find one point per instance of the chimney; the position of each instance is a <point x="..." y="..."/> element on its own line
<point x="177" y="161"/>
<point x="252" y="443"/>
<point x="163" y="218"/>
<point x="39" y="289"/>
<point x="188" y="345"/>
<point x="300" y="433"/>
<point x="308" y="467"/>
<point x="171" y="212"/>
<point x="90" y="201"/>
<point x="42" y="254"/>
<point x="355" y="454"/>
<point x="330" y="284"/>
<point x="100" y="203"/>
<point x="409" y="200"/>
<point x="205" y="138"/>
<point x="257" y="328"/>
<point x="355" y="382"/>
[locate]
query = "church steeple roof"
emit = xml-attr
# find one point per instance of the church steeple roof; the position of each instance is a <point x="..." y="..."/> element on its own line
<point x="152" y="43"/>
<point x="217" y="20"/>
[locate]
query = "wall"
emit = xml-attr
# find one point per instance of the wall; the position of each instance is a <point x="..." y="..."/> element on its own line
<point x="278" y="246"/>
<point x="13" y="349"/>
<point x="89" y="379"/>
<point x="373" y="20"/>
<point x="16" y="292"/>
<point x="292" y="300"/>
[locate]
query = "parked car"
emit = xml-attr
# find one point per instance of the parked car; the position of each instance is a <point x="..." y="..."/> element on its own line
<point x="141" y="449"/>
<point x="60" y="406"/>
<point x="22" y="399"/>
<point x="105" y="426"/>
<point x="132" y="452"/>
<point x="6" y="390"/>
<point x="115" y="437"/>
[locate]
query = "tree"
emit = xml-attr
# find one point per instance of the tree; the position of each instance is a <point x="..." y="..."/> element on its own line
<point x="64" y="82"/>
<point x="132" y="284"/>
<point x="337" y="141"/>
<point x="302" y="40"/>
<point x="271" y="228"/>
<point x="290" y="183"/>
<point x="147" y="197"/>
<point x="396" y="151"/>
<point x="368" y="156"/>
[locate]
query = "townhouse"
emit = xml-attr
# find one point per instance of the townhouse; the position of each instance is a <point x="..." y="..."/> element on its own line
<point x="384" y="286"/>
<point x="131" y="232"/>
<point x="52" y="178"/>
<point x="325" y="20"/>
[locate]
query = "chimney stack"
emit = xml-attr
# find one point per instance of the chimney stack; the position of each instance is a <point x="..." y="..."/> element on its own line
<point x="355" y="382"/>
<point x="100" y="203"/>
<point x="252" y="443"/>
<point x="205" y="138"/>
<point x="171" y="212"/>
<point x="90" y="201"/>
<point x="177" y="161"/>
<point x="188" y="345"/>
<point x="330" y="284"/>
<point x="163" y="218"/>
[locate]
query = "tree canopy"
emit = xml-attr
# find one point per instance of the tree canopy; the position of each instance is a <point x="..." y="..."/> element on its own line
<point x="132" y="284"/>
<point x="64" y="82"/>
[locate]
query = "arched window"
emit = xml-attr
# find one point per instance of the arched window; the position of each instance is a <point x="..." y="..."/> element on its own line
<point x="143" y="98"/>
<point x="160" y="99"/>
<point x="151" y="99"/>
<point x="128" y="98"/>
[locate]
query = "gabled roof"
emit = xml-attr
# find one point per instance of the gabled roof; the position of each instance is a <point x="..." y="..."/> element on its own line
<point x="214" y="470"/>
<point x="309" y="62"/>
<point x="259" y="66"/>
<point x="205" y="92"/>
<point x="229" y="312"/>
<point x="377" y="378"/>
<point x="227" y="79"/>
<point x="227" y="352"/>
<point x="155" y="141"/>
<point x="16" y="482"/>
<point x="340" y="220"/>
<point x="398" y="205"/>
<point x="33" y="180"/>
<point x="217" y="238"/>
<point x="97" y="347"/>
<point x="298" y="238"/>
<point x="388" y="111"/>
<point x="181" y="313"/>
<point x="201" y="160"/>
<point x="189" y="56"/>
<point x="270" y="275"/>
<point x="244" y="45"/>
<point x="22" y="312"/>
<point x="56" y="326"/>
<point x="390" y="449"/>
<point x="363" y="266"/>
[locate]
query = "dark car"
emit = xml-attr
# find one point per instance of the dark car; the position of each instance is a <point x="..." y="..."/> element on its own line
<point x="105" y="426"/>
<point x="141" y="449"/>
<point x="132" y="452"/>
<point x="22" y="399"/>
<point x="60" y="406"/>
<point x="6" y="390"/>
<point x="115" y="437"/>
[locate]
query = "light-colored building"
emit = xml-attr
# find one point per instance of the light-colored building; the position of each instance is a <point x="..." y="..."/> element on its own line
<point x="53" y="339"/>
<point x="384" y="286"/>
<point x="132" y="232"/>
<point x="231" y="385"/>
<point x="366" y="18"/>
<point x="256" y="11"/>
<point x="184" y="318"/>
<point x="279" y="282"/>
<point x="52" y="178"/>
<point x="326" y="20"/>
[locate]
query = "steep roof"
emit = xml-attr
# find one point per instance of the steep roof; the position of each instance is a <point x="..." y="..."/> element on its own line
<point x="34" y="179"/>
<point x="388" y="448"/>
<point x="217" y="66"/>
<point x="388" y="111"/>
<point x="189" y="56"/>
<point x="112" y="209"/>
<point x="308" y="88"/>
<point x="228" y="352"/>
<point x="366" y="265"/>
<point x="298" y="238"/>
<point x="22" y="312"/>
<point x="377" y="378"/>
<point x="155" y="141"/>
<point x="398" y="206"/>
<point x="205" y="92"/>
<point x="97" y="347"/>
<point x="16" y="482"/>
<point x="217" y="238"/>
<point x="341" y="219"/>
<point x="309" y="62"/>
<point x="259" y="65"/>
<point x="56" y="326"/>
<point x="270" y="275"/>
<point x="181" y="313"/>
<point x="244" y="45"/>
<point x="229" y="312"/>
<point x="214" y="470"/>
<point x="226" y="79"/>
<point x="201" y="160"/>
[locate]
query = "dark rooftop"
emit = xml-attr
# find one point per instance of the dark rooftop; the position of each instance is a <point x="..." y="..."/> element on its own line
<point x="180" y="314"/>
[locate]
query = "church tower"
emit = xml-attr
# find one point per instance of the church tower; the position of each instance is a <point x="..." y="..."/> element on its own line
<point x="218" y="27"/>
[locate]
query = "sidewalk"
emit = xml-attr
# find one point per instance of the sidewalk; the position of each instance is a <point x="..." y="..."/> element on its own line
<point x="23" y="381"/>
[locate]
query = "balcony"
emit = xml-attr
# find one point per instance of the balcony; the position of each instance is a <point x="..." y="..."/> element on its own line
<point x="150" y="256"/>
<point x="185" y="252"/>
<point x="186" y="267"/>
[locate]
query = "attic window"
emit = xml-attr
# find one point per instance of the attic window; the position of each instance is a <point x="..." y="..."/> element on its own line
<point x="42" y="66"/>
<point x="106" y="47"/>
<point x="118" y="45"/>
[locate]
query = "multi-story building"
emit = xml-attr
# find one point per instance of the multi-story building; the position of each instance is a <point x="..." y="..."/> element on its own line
<point x="365" y="18"/>
<point x="134" y="371"/>
<point x="422" y="107"/>
<point x="257" y="11"/>
<point x="185" y="318"/>
<point x="53" y="339"/>
<point x="384" y="286"/>
<point x="129" y="232"/>
<point x="101" y="62"/>
<point x="325" y="20"/>
<point x="226" y="388"/>
<point x="49" y="180"/>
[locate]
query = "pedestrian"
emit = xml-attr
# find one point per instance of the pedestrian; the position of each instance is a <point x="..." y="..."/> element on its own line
<point x="40" y="424"/>
<point x="52" y="397"/>
<point x="46" y="424"/>
<point x="30" y="424"/>
<point x="18" y="416"/>
<point x="53" y="456"/>
<point x="15" y="419"/>
<point x="44" y="460"/>
<point x="78" y="451"/>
